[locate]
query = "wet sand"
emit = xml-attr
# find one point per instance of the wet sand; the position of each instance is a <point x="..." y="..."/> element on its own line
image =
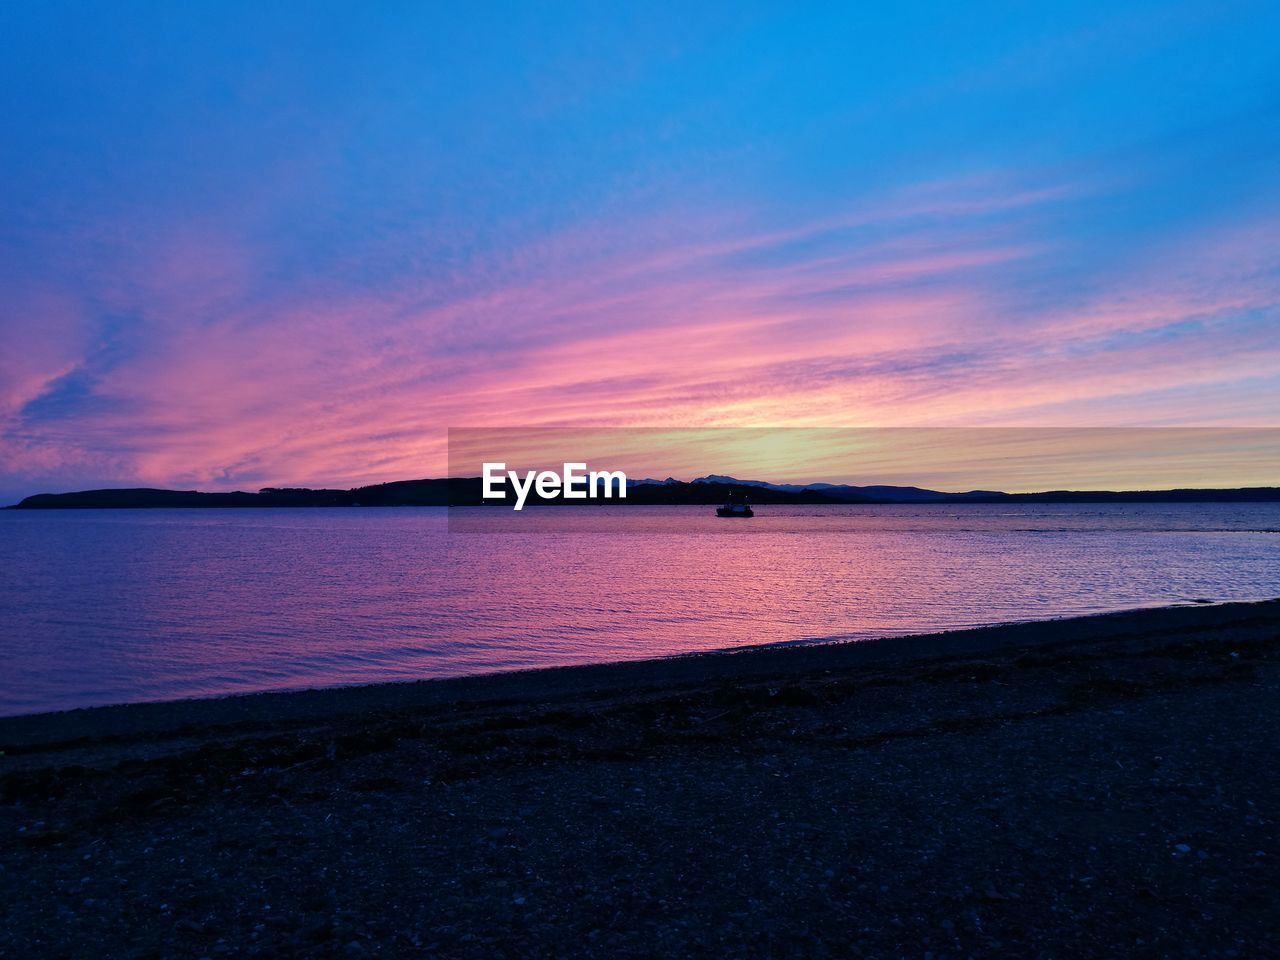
<point x="1103" y="787"/>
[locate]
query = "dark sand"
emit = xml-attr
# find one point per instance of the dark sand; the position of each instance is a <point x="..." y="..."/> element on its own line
<point x="1103" y="787"/>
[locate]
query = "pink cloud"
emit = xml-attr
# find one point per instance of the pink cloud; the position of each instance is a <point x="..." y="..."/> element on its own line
<point x="675" y="320"/>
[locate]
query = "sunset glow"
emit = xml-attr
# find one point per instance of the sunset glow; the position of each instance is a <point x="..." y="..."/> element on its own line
<point x="240" y="250"/>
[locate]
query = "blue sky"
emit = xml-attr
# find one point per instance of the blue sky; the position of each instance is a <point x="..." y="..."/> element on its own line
<point x="251" y="244"/>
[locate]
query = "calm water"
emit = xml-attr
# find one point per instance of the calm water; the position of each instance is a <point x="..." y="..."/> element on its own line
<point x="113" y="606"/>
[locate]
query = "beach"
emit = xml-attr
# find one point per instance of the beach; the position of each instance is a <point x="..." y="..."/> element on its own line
<point x="1101" y="786"/>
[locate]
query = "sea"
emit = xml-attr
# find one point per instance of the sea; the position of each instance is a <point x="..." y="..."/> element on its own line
<point x="121" y="606"/>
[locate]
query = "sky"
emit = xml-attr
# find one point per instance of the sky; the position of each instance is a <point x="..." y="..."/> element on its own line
<point x="269" y="244"/>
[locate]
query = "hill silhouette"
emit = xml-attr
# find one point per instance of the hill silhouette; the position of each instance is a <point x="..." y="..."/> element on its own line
<point x="466" y="491"/>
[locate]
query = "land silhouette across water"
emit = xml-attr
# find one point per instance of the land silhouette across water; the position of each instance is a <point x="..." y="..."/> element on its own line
<point x="1094" y="787"/>
<point x="467" y="491"/>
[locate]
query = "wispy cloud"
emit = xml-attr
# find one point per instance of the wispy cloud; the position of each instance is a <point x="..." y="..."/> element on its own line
<point x="875" y="319"/>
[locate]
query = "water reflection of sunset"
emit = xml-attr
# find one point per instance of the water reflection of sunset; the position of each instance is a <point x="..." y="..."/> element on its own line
<point x="373" y="594"/>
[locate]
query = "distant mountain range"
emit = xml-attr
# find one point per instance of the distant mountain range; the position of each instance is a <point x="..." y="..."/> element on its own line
<point x="846" y="493"/>
<point x="465" y="491"/>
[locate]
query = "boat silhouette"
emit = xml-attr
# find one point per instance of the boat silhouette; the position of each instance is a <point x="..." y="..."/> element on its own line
<point x="736" y="507"/>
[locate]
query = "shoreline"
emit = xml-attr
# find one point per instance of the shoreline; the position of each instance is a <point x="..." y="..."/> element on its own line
<point x="1091" y="787"/>
<point x="531" y="683"/>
